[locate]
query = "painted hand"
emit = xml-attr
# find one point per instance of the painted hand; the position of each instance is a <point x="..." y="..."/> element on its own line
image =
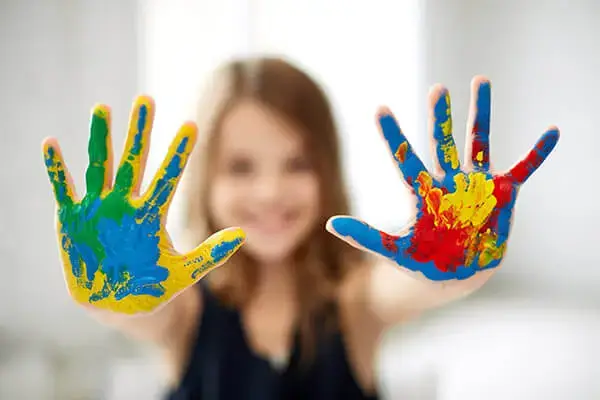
<point x="114" y="247"/>
<point x="463" y="216"/>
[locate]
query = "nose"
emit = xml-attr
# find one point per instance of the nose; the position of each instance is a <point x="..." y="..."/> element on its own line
<point x="268" y="188"/>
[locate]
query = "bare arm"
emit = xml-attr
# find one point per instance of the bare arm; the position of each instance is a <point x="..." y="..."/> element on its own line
<point x="396" y="296"/>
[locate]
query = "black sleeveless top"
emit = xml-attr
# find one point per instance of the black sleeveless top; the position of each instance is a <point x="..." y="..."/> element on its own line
<point x="223" y="367"/>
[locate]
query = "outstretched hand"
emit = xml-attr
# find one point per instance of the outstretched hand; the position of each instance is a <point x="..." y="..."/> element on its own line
<point x="114" y="247"/>
<point x="463" y="215"/>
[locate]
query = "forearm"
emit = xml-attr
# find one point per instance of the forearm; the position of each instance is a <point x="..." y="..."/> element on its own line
<point x="392" y="294"/>
<point x="397" y="295"/>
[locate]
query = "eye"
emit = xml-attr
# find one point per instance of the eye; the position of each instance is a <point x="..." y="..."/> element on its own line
<point x="299" y="164"/>
<point x="239" y="166"/>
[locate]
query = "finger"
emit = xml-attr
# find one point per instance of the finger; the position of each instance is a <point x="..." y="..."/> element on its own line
<point x="361" y="235"/>
<point x="133" y="162"/>
<point x="147" y="282"/>
<point x="61" y="181"/>
<point x="98" y="173"/>
<point x="542" y="149"/>
<point x="213" y="252"/>
<point x="445" y="155"/>
<point x="408" y="162"/>
<point x="162" y="188"/>
<point x="477" y="154"/>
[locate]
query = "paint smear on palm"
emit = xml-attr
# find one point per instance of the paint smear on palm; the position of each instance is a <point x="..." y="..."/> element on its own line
<point x="452" y="229"/>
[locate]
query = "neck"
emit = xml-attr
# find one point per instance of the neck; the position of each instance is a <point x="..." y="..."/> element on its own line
<point x="276" y="278"/>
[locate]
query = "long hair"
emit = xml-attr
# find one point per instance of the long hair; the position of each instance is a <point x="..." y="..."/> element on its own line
<point x="323" y="260"/>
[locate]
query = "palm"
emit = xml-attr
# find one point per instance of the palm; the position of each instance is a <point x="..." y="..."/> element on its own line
<point x="463" y="216"/>
<point x="114" y="247"/>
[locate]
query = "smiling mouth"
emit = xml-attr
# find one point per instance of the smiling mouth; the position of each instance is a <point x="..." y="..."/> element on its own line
<point x="272" y="223"/>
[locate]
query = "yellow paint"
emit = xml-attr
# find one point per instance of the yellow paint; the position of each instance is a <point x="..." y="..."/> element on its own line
<point x="450" y="154"/>
<point x="447" y="146"/>
<point x="58" y="169"/>
<point x="479" y="156"/>
<point x="468" y="208"/>
<point x="180" y="267"/>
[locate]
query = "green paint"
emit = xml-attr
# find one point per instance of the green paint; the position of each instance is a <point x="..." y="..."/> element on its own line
<point x="58" y="176"/>
<point x="83" y="230"/>
<point x="124" y="179"/>
<point x="98" y="154"/>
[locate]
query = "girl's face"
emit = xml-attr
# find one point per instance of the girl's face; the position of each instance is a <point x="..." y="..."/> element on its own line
<point x="263" y="182"/>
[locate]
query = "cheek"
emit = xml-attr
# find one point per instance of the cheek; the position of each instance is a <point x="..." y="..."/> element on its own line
<point x="307" y="193"/>
<point x="223" y="198"/>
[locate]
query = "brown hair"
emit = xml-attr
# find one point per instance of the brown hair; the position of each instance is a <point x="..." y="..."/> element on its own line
<point x="323" y="261"/>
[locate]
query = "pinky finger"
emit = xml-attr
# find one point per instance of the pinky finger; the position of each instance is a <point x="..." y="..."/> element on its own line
<point x="534" y="159"/>
<point x="61" y="181"/>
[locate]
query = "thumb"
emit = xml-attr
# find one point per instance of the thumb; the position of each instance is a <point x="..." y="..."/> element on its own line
<point x="364" y="237"/>
<point x="213" y="252"/>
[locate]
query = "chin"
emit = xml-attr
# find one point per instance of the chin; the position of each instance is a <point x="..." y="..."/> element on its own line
<point x="269" y="253"/>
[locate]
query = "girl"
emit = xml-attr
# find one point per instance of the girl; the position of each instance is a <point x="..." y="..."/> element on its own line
<point x="296" y="313"/>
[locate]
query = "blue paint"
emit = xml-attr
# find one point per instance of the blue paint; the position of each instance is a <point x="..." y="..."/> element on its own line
<point x="74" y="257"/>
<point x="412" y="164"/>
<point x="224" y="249"/>
<point x="92" y="208"/>
<point x="217" y="254"/>
<point x="130" y="244"/>
<point x="141" y="125"/>
<point x="132" y="248"/>
<point x="166" y="184"/>
<point x="481" y="127"/>
<point x="371" y="239"/>
<point x="57" y="175"/>
<point x="441" y="116"/>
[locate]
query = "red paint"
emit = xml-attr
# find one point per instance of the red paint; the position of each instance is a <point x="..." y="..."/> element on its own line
<point x="528" y="165"/>
<point x="442" y="245"/>
<point x="503" y="190"/>
<point x="479" y="146"/>
<point x="389" y="241"/>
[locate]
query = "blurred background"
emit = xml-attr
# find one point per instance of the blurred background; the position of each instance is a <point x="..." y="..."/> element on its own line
<point x="532" y="333"/>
